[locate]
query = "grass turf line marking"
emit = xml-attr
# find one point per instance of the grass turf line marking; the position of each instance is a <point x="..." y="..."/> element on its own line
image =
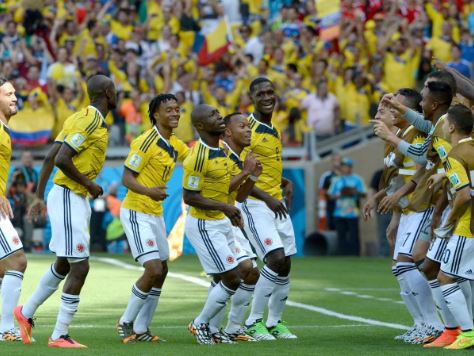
<point x="178" y="327"/>
<point x="203" y="283"/>
<point x="362" y="296"/>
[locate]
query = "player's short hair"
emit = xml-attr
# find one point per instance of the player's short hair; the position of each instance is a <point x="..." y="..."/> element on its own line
<point x="3" y="80"/>
<point x="441" y="92"/>
<point x="444" y="77"/>
<point x="413" y="98"/>
<point x="462" y="118"/>
<point x="257" y="81"/>
<point x="228" y="118"/>
<point x="156" y="102"/>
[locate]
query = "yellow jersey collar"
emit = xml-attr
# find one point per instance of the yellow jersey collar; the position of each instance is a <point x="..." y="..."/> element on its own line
<point x="230" y="149"/>
<point x="261" y="123"/>
<point x="159" y="133"/>
<point x="467" y="139"/>
<point x="90" y="106"/>
<point x="206" y="145"/>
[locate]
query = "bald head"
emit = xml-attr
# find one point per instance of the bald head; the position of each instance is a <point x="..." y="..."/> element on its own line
<point x="206" y="118"/>
<point x="200" y="113"/>
<point x="101" y="89"/>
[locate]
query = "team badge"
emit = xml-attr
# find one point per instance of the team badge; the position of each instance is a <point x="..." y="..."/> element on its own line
<point x="150" y="243"/>
<point x="268" y="242"/>
<point x="80" y="248"/>
<point x="454" y="179"/>
<point x="441" y="152"/>
<point x="16" y="240"/>
<point x="135" y="160"/>
<point x="230" y="259"/>
<point x="193" y="182"/>
<point x="77" y="140"/>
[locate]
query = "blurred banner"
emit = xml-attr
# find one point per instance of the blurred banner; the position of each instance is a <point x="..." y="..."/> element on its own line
<point x="329" y="12"/>
<point x="175" y="216"/>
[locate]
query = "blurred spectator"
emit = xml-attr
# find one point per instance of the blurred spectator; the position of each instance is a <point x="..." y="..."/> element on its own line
<point x="323" y="111"/>
<point x="347" y="190"/>
<point x="18" y="197"/>
<point x="461" y="65"/>
<point x="115" y="235"/>
<point x="29" y="173"/>
<point x="325" y="182"/>
<point x="383" y="220"/>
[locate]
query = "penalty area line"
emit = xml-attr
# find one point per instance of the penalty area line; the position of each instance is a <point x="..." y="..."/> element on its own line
<point x="313" y="308"/>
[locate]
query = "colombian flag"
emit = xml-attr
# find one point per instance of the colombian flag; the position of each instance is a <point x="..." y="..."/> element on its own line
<point x="329" y="11"/>
<point x="211" y="47"/>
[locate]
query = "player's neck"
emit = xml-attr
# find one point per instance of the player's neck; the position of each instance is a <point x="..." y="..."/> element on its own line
<point x="456" y="138"/>
<point x="234" y="147"/>
<point x="437" y="114"/>
<point x="102" y="107"/>
<point x="164" y="131"/>
<point x="265" y="118"/>
<point x="210" y="140"/>
<point x="3" y="119"/>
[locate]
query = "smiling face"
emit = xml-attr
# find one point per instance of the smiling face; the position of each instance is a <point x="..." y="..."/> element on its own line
<point x="168" y="114"/>
<point x="264" y="97"/>
<point x="238" y="131"/>
<point x="8" y="100"/>
<point x="214" y="122"/>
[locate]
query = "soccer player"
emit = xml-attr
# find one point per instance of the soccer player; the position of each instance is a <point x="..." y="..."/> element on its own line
<point x="12" y="256"/>
<point x="267" y="221"/>
<point x="206" y="184"/>
<point x="458" y="257"/>
<point x="148" y="168"/>
<point x="80" y="158"/>
<point x="237" y="136"/>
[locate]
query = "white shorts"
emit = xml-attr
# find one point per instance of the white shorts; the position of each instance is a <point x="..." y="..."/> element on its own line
<point x="412" y="227"/>
<point x="267" y="233"/>
<point x="242" y="248"/>
<point x="437" y="246"/>
<point x="214" y="243"/>
<point x="70" y="216"/>
<point x="9" y="240"/>
<point x="458" y="258"/>
<point x="146" y="235"/>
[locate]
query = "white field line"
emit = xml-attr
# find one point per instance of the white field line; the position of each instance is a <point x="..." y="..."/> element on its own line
<point x="203" y="283"/>
<point x="362" y="296"/>
<point x="177" y="327"/>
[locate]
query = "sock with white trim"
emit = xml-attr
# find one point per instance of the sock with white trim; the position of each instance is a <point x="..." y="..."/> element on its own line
<point x="457" y="305"/>
<point x="448" y="317"/>
<point x="11" y="288"/>
<point x="240" y="303"/>
<point x="67" y="309"/>
<point x="277" y="301"/>
<point x="135" y="303"/>
<point x="217" y="299"/>
<point x="466" y="289"/>
<point x="145" y="316"/>
<point x="407" y="296"/>
<point x="263" y="290"/>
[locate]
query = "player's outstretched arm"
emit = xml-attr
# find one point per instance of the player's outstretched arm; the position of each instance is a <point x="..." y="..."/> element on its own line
<point x="195" y="199"/>
<point x="64" y="162"/>
<point x="129" y="180"/>
<point x="38" y="206"/>
<point x="464" y="85"/>
<point x="414" y="118"/>
<point x="390" y="202"/>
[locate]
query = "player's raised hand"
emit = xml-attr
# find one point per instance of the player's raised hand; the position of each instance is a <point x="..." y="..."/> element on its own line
<point x="391" y="101"/>
<point x="5" y="208"/>
<point x="380" y="129"/>
<point x="277" y="207"/>
<point x="250" y="163"/>
<point x="94" y="190"/>
<point x="258" y="169"/>
<point x="234" y="215"/>
<point x="158" y="193"/>
<point x="37" y="209"/>
<point x="435" y="179"/>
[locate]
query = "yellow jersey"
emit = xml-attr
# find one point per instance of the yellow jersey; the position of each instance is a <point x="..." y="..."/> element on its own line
<point x="85" y="132"/>
<point x="153" y="158"/>
<point x="459" y="167"/>
<point x="5" y="157"/>
<point x="206" y="170"/>
<point x="266" y="146"/>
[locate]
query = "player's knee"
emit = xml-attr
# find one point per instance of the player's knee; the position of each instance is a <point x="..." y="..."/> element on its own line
<point x="252" y="277"/>
<point x="62" y="266"/>
<point x="80" y="269"/>
<point x="232" y="279"/>
<point x="275" y="260"/>
<point x="430" y="269"/>
<point x="17" y="262"/>
<point x="444" y="279"/>
<point x="245" y="267"/>
<point x="153" y="270"/>
<point x="164" y="267"/>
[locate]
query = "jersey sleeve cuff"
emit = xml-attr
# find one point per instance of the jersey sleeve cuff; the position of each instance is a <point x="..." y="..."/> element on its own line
<point x="130" y="169"/>
<point x="462" y="187"/>
<point x="70" y="146"/>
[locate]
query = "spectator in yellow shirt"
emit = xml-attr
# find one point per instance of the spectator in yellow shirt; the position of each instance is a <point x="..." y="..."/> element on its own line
<point x="441" y="46"/>
<point x="122" y="27"/>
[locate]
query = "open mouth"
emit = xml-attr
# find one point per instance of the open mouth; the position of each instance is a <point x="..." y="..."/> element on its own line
<point x="268" y="104"/>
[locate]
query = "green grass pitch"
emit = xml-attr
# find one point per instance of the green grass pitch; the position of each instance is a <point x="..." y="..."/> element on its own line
<point x="352" y="287"/>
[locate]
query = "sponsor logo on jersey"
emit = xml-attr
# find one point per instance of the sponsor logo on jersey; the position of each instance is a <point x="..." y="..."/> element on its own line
<point x="135" y="160"/>
<point x="77" y="140"/>
<point x="193" y="182"/>
<point x="454" y="179"/>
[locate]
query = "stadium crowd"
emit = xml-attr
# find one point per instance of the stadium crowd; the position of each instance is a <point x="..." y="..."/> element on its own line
<point x="49" y="48"/>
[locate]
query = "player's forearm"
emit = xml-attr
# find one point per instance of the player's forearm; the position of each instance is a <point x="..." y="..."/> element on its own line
<point x="70" y="170"/>
<point x="464" y="85"/>
<point x="237" y="181"/>
<point x="130" y="182"/>
<point x="244" y="190"/>
<point x="196" y="200"/>
<point x="418" y="121"/>
<point x="460" y="204"/>
<point x="406" y="189"/>
<point x="441" y="203"/>
<point x="260" y="194"/>
<point x="46" y="169"/>
<point x="415" y="152"/>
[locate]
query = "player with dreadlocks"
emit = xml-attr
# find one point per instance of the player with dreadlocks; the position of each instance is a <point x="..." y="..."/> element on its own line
<point x="148" y="168"/>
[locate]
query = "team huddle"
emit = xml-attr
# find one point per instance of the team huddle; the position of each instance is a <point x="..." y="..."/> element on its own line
<point x="427" y="185"/>
<point x="238" y="201"/>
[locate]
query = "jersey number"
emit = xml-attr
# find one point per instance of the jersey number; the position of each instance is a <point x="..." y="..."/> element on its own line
<point x="408" y="235"/>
